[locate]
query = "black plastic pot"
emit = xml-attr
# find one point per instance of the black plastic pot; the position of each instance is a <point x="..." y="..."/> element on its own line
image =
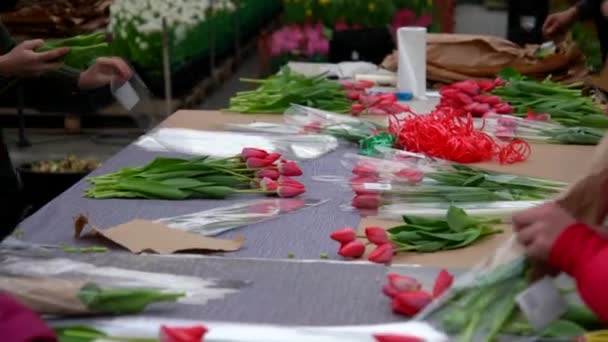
<point x="40" y="188"/>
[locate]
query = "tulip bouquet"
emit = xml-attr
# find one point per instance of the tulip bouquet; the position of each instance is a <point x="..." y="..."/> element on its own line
<point x="418" y="234"/>
<point x="381" y="182"/>
<point x="165" y="334"/>
<point x="474" y="97"/>
<point x="369" y="103"/>
<point x="253" y="171"/>
<point x="537" y="127"/>
<point x="566" y="104"/>
<point x="407" y="295"/>
<point x="482" y="307"/>
<point x="313" y="120"/>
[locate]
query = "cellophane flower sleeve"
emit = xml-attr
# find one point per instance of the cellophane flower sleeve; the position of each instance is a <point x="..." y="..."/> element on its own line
<point x="227" y="144"/>
<point x="312" y="120"/>
<point x="218" y="220"/>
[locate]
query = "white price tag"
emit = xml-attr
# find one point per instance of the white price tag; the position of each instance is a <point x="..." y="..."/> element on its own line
<point x="377" y="186"/>
<point x="127" y="96"/>
<point x="542" y="303"/>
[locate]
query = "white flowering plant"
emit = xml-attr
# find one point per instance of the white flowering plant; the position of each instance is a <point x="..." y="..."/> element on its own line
<point x="194" y="26"/>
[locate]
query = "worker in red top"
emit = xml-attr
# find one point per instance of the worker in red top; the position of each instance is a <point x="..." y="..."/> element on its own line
<point x="550" y="234"/>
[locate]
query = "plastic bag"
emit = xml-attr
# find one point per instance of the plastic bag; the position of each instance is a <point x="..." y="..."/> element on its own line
<point x="136" y="99"/>
<point x="312" y="120"/>
<point x="226" y="144"/>
<point x="148" y="327"/>
<point x="510" y="127"/>
<point x="198" y="290"/>
<point x="218" y="220"/>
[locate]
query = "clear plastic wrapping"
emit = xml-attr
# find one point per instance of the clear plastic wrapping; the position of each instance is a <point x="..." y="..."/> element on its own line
<point x="227" y="144"/>
<point x="197" y="290"/>
<point x="312" y="120"/>
<point x="218" y="220"/>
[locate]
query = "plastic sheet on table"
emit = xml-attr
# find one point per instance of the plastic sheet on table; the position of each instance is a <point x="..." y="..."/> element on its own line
<point x="219" y="220"/>
<point x="198" y="290"/>
<point x="227" y="144"/>
<point x="148" y="327"/>
<point x="498" y="209"/>
<point x="263" y="127"/>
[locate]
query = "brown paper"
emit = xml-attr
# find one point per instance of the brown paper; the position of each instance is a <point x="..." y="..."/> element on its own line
<point x="464" y="257"/>
<point x="46" y="295"/>
<point x="140" y="236"/>
<point x="457" y="57"/>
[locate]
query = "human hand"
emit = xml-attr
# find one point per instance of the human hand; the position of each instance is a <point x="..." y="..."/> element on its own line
<point x="24" y="61"/>
<point x="103" y="72"/>
<point x="557" y="23"/>
<point x="538" y="228"/>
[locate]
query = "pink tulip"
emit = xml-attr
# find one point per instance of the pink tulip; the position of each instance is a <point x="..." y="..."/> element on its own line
<point x="256" y="163"/>
<point x="267" y="173"/>
<point x="353" y="249"/>
<point x="268" y="184"/>
<point x="383" y="254"/>
<point x="397" y="284"/>
<point x="344" y="235"/>
<point x="289" y="168"/>
<point x="366" y="201"/>
<point x="284" y="180"/>
<point x="288" y="191"/>
<point x="251" y="152"/>
<point x="376" y="235"/>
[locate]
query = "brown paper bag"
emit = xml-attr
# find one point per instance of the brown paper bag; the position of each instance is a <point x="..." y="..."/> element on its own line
<point x="46" y="295"/>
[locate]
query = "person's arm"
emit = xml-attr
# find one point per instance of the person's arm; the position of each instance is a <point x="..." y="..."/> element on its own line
<point x="64" y="78"/>
<point x="583" y="254"/>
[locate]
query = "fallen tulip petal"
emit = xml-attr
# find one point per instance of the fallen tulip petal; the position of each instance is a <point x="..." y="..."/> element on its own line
<point x="344" y="235"/>
<point x="182" y="334"/>
<point x="411" y="303"/>
<point x="383" y="254"/>
<point x="442" y="283"/>
<point x="376" y="235"/>
<point x="353" y="249"/>
<point x="397" y="338"/>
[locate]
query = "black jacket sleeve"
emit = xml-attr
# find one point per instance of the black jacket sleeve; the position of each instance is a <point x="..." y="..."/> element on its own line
<point x="587" y="9"/>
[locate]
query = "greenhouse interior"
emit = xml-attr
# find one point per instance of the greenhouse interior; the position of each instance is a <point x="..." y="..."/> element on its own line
<point x="303" y="170"/>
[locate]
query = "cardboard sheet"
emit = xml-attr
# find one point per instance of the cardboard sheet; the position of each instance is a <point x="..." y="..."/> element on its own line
<point x="140" y="236"/>
<point x="458" y="258"/>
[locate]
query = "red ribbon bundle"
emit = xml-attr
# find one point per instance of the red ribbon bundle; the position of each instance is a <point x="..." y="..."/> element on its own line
<point x="448" y="133"/>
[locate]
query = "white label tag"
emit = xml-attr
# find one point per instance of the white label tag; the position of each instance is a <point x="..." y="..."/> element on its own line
<point x="376" y="186"/>
<point x="127" y="96"/>
<point x="541" y="303"/>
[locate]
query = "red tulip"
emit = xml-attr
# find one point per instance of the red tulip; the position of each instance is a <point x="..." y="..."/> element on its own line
<point x="256" y="163"/>
<point x="365" y="169"/>
<point x="442" y="283"/>
<point x="284" y="180"/>
<point x="486" y="85"/>
<point x="347" y="85"/>
<point x="289" y="168"/>
<point x="383" y="254"/>
<point x="365" y="84"/>
<point x="361" y="189"/>
<point x="353" y="249"/>
<point x="352" y="95"/>
<point x="469" y="87"/>
<point x="492" y="100"/>
<point x="411" y="175"/>
<point x="288" y="191"/>
<point x="314" y="126"/>
<point x="356" y="109"/>
<point x="410" y="303"/>
<point x="363" y="179"/>
<point x="397" y="283"/>
<point x="251" y="152"/>
<point x="268" y="184"/>
<point x="503" y="108"/>
<point x="267" y="173"/>
<point x="272" y="157"/>
<point x="182" y="334"/>
<point x="366" y="201"/>
<point x="376" y="235"/>
<point x="344" y="235"/>
<point x="479" y="109"/>
<point x="397" y="338"/>
<point x="499" y="82"/>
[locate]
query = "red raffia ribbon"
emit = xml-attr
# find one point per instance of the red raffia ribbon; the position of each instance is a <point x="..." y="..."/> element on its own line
<point x="449" y="133"/>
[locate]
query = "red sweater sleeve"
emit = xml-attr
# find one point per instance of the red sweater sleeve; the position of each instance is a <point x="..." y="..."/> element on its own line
<point x="583" y="254"/>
